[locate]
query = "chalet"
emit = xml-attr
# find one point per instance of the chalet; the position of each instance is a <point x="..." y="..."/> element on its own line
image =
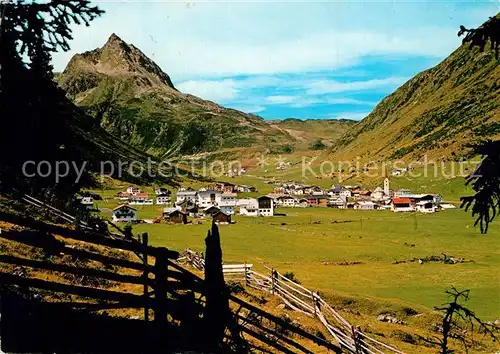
<point x="163" y="199"/>
<point x="317" y="200"/>
<point x="190" y="196"/>
<point x="337" y="203"/>
<point x="266" y="206"/>
<point x="365" y="205"/>
<point x="174" y="215"/>
<point x="426" y="206"/>
<point x="162" y="192"/>
<point x="140" y="199"/>
<point x="221" y="218"/>
<point x="249" y="207"/>
<point x="208" y="198"/>
<point x="133" y="190"/>
<point x="124" y="213"/>
<point x="224" y="187"/>
<point x="287" y="201"/>
<point x="402" y="205"/>
<point x="87" y="203"/>
<point x="227" y="202"/>
<point x="211" y="210"/>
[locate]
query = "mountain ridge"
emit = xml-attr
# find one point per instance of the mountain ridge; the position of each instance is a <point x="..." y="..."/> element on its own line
<point x="439" y="111"/>
<point x="135" y="100"/>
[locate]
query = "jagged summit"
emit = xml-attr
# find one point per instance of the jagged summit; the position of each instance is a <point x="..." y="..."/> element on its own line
<point x="135" y="100"/>
<point x="116" y="58"/>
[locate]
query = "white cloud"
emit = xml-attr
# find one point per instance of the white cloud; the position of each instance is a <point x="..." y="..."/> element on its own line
<point x="214" y="39"/>
<point x="249" y="109"/>
<point x="214" y="90"/>
<point x="280" y="99"/>
<point x="332" y="86"/>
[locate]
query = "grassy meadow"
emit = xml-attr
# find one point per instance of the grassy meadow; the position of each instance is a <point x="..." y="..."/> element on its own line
<point x="311" y="242"/>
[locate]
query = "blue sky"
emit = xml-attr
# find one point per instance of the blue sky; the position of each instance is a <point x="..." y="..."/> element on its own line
<point x="328" y="59"/>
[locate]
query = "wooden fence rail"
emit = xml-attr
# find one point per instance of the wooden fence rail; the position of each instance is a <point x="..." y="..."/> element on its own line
<point x="301" y="299"/>
<point x="166" y="285"/>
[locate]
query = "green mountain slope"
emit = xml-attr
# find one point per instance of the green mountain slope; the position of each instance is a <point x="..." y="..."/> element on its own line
<point x="135" y="100"/>
<point x="438" y="112"/>
<point x="309" y="130"/>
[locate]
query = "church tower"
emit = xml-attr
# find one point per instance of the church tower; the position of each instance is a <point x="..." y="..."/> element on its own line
<point x="386" y="187"/>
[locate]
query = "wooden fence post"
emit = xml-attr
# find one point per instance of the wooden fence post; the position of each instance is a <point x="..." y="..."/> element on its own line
<point x="160" y="291"/>
<point x="356" y="338"/>
<point x="246" y="275"/>
<point x="145" y="241"/>
<point x="314" y="302"/>
<point x="273" y="286"/>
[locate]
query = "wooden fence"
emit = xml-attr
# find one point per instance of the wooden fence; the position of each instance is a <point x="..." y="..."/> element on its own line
<point x="170" y="295"/>
<point x="350" y="338"/>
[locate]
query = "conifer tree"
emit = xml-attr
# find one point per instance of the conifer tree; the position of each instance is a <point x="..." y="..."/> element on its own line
<point x="485" y="180"/>
<point x="36" y="116"/>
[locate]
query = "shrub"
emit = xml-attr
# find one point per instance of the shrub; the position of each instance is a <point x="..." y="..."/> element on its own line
<point x="317" y="145"/>
<point x="404" y="337"/>
<point x="292" y="277"/>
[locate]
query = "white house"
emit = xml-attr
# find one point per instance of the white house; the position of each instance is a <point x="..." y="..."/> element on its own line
<point x="87" y="202"/>
<point x="337" y="202"/>
<point x="426" y="206"/>
<point x="124" y="213"/>
<point x="378" y="194"/>
<point x="287" y="201"/>
<point x="402" y="205"/>
<point x="364" y="205"/>
<point x="345" y="193"/>
<point x="249" y="207"/>
<point x="227" y="202"/>
<point x="266" y="206"/>
<point x="133" y="190"/>
<point x="208" y="198"/>
<point x="163" y="199"/>
<point x="189" y="196"/>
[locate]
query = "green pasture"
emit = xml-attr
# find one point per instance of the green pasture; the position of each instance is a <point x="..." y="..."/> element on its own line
<point x="309" y="243"/>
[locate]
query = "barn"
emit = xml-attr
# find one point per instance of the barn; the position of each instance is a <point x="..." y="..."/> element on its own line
<point x="174" y="216"/>
<point x="221" y="218"/>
